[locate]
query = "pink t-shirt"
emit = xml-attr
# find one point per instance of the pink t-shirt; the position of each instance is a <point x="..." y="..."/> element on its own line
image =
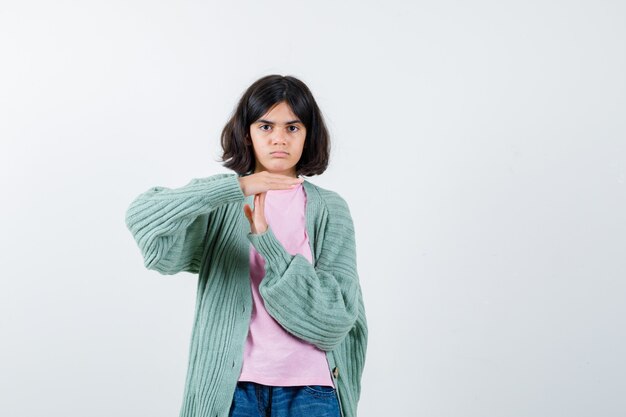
<point x="273" y="356"/>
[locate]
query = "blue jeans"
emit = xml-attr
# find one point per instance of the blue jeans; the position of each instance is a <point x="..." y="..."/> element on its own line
<point x="257" y="400"/>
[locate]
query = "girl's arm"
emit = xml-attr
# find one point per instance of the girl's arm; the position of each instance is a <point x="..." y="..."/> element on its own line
<point x="169" y="225"/>
<point x="317" y="304"/>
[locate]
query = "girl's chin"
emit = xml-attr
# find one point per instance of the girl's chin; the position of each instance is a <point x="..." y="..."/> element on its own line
<point x="278" y="166"/>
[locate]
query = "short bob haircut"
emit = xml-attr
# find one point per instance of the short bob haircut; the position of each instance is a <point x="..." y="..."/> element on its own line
<point x="258" y="99"/>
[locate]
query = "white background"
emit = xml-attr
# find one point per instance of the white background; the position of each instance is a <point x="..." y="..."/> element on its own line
<point x="481" y="147"/>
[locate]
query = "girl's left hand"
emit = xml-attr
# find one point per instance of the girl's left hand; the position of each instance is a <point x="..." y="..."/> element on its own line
<point x="258" y="224"/>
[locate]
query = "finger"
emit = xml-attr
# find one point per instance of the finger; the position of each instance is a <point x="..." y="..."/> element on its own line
<point x="281" y="178"/>
<point x="262" y="204"/>
<point x="265" y="181"/>
<point x="260" y="221"/>
<point x="256" y="206"/>
<point x="248" y="212"/>
<point x="286" y="183"/>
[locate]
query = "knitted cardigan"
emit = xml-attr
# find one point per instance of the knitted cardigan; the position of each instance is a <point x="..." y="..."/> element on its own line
<point x="201" y="228"/>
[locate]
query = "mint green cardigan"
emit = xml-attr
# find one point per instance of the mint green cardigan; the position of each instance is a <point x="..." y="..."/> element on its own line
<point x="201" y="228"/>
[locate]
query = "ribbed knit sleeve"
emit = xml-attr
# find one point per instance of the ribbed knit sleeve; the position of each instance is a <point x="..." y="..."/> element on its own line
<point x="169" y="225"/>
<point x="317" y="304"/>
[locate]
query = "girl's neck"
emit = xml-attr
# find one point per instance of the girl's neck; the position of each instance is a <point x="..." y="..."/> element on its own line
<point x="291" y="173"/>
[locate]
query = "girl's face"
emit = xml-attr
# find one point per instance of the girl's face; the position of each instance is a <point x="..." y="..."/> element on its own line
<point x="278" y="139"/>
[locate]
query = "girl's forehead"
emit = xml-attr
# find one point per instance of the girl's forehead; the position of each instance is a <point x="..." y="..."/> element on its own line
<point x="281" y="108"/>
<point x="283" y="115"/>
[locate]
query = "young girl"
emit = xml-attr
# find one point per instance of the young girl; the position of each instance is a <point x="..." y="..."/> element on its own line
<point x="279" y="327"/>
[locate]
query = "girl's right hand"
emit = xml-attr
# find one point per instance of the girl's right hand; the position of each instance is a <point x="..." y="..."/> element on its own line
<point x="264" y="180"/>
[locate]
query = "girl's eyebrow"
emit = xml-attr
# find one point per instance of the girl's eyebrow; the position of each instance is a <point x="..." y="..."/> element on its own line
<point x="291" y="122"/>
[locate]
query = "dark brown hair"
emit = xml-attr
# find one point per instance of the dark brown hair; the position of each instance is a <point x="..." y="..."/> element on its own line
<point x="261" y="96"/>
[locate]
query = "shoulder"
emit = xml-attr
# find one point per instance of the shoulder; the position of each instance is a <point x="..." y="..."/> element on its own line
<point x="335" y="203"/>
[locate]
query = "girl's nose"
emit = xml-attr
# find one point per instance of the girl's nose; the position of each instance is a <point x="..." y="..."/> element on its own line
<point x="279" y="138"/>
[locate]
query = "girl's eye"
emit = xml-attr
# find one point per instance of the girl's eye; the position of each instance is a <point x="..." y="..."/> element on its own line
<point x="295" y="128"/>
